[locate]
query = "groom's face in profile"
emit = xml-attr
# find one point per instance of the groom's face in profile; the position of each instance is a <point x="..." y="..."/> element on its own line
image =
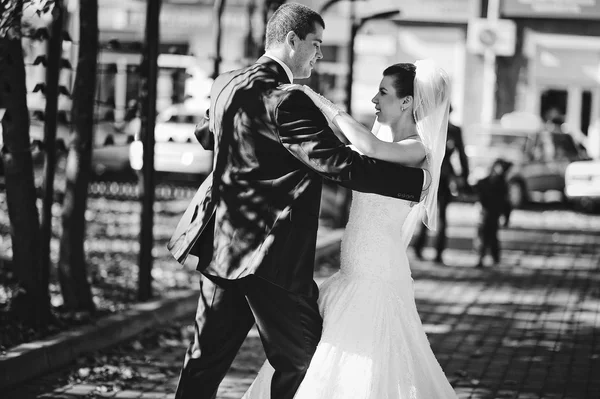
<point x="306" y="52"/>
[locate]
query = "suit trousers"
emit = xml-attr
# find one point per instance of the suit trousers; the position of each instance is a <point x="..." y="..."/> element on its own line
<point x="289" y="325"/>
<point x="444" y="198"/>
<point x="488" y="236"/>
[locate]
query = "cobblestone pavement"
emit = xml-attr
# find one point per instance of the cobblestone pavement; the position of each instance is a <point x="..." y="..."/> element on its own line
<point x="529" y="328"/>
<point x="548" y="217"/>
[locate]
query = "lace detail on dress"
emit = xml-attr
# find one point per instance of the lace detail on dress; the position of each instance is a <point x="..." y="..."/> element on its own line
<point x="370" y="243"/>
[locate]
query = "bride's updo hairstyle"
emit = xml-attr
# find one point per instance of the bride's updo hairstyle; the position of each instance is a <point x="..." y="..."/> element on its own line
<point x="403" y="76"/>
<point x="435" y="85"/>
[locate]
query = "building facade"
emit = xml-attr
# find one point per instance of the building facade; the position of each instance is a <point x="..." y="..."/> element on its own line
<point x="554" y="69"/>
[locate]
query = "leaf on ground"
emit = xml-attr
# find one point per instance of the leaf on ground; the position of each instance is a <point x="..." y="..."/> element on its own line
<point x="462" y="373"/>
<point x="137" y="346"/>
<point x="83" y="372"/>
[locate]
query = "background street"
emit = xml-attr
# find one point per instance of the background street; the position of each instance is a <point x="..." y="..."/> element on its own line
<point x="529" y="328"/>
<point x="106" y="95"/>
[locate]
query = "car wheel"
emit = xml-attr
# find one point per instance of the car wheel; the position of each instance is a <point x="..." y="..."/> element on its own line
<point x="585" y="205"/>
<point x="517" y="194"/>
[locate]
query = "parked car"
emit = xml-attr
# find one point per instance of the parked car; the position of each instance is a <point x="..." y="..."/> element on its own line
<point x="177" y="153"/>
<point x="582" y="184"/>
<point x="106" y="133"/>
<point x="539" y="157"/>
<point x="110" y="141"/>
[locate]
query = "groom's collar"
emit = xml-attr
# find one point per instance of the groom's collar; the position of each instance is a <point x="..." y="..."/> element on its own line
<point x="280" y="64"/>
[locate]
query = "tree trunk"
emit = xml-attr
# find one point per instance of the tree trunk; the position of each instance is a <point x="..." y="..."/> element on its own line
<point x="148" y="120"/>
<point x="267" y="8"/>
<point x="32" y="303"/>
<point x="52" y="76"/>
<point x="72" y="273"/>
<point x="218" y="8"/>
<point x="250" y="53"/>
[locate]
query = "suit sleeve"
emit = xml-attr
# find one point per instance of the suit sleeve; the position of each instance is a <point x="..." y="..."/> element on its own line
<point x="203" y="134"/>
<point x="305" y="133"/>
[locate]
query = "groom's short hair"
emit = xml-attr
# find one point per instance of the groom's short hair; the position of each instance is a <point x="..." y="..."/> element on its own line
<point x="291" y="17"/>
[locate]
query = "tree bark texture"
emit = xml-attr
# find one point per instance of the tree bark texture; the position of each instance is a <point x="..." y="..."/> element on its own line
<point x="51" y="109"/>
<point x="218" y="8"/>
<point x="267" y="8"/>
<point x="32" y="303"/>
<point x="72" y="268"/>
<point x="148" y="120"/>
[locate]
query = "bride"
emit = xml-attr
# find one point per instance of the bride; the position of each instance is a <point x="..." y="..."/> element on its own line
<point x="373" y="344"/>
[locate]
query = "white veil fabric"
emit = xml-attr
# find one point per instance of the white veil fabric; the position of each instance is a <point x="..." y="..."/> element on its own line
<point x="431" y="104"/>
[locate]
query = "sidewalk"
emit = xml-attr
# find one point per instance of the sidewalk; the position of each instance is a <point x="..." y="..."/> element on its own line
<point x="527" y="329"/>
<point x="549" y="219"/>
<point x="32" y="359"/>
<point x="558" y="231"/>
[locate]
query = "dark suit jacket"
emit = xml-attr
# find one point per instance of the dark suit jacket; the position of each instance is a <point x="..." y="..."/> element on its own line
<point x="258" y="211"/>
<point x="454" y="142"/>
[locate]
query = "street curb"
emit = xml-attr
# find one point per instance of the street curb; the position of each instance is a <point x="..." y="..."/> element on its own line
<point x="461" y="238"/>
<point x="31" y="359"/>
<point x="535" y="229"/>
<point x="36" y="358"/>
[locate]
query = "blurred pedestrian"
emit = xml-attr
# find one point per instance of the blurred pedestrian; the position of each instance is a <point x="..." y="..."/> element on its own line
<point x="448" y="176"/>
<point x="492" y="194"/>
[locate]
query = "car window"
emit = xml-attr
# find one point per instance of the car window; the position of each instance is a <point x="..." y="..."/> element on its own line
<point x="564" y="147"/>
<point x="543" y="150"/>
<point x="540" y="151"/>
<point x="509" y="141"/>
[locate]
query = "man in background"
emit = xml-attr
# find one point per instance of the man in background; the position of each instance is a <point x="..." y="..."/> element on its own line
<point x="448" y="176"/>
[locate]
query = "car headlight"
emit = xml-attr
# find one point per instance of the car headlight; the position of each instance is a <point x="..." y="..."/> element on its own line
<point x="187" y="158"/>
<point x="136" y="155"/>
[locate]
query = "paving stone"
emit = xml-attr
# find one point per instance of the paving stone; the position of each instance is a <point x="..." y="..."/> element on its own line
<point x="128" y="394"/>
<point x="153" y="395"/>
<point x="80" y="389"/>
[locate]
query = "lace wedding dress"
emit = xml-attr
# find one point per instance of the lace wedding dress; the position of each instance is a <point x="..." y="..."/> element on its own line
<point x="373" y="344"/>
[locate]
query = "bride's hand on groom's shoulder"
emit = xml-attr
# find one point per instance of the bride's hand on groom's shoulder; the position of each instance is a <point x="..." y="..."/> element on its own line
<point x="313" y="95"/>
<point x="292" y="86"/>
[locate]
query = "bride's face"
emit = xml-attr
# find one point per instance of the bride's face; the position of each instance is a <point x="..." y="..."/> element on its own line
<point x="388" y="107"/>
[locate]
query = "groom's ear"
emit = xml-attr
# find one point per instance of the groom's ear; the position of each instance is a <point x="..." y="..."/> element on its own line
<point x="291" y="39"/>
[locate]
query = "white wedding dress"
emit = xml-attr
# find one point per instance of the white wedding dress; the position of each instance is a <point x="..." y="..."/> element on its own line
<point x="373" y="344"/>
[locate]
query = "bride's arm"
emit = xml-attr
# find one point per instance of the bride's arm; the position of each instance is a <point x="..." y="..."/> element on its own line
<point x="408" y="152"/>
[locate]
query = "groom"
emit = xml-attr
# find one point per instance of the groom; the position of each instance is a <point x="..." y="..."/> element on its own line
<point x="253" y="223"/>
